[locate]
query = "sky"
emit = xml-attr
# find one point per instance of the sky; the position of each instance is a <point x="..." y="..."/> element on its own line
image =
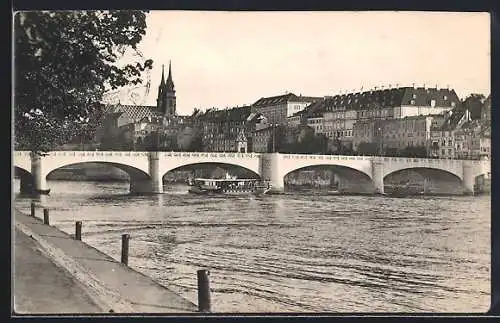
<point x="226" y="59"/>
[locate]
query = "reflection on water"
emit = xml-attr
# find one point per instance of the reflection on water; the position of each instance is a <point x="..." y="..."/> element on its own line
<point x="294" y="252"/>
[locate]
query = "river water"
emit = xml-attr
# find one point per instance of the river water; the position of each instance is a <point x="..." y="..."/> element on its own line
<point x="292" y="253"/>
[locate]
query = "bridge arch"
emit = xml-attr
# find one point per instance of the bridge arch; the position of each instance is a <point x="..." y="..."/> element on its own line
<point x="133" y="172"/>
<point x="223" y="165"/>
<point x="136" y="175"/>
<point x="452" y="166"/>
<point x="170" y="161"/>
<point x="25" y="179"/>
<point x="345" y="178"/>
<point x="421" y="170"/>
<point x="430" y="180"/>
<point x="290" y="163"/>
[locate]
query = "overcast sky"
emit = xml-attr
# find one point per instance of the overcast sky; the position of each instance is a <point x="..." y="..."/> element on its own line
<point x="222" y="59"/>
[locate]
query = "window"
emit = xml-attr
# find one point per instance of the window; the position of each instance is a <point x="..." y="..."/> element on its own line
<point x="412" y="102"/>
<point x="445" y="98"/>
<point x="414" y="96"/>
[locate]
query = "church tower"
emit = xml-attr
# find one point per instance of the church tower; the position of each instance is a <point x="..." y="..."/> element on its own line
<point x="166" y="101"/>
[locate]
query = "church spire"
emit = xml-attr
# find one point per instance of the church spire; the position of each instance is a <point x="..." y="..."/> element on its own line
<point x="162" y="75"/>
<point x="170" y="82"/>
<point x="166" y="101"/>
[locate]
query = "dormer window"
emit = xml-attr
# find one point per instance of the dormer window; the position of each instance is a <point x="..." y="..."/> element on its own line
<point x="445" y="98"/>
<point x="453" y="104"/>
<point x="414" y="96"/>
<point x="412" y="102"/>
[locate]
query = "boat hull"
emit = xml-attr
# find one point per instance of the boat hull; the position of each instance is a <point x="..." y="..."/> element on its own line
<point x="201" y="191"/>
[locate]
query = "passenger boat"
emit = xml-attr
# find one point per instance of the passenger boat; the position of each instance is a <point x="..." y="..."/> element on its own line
<point x="229" y="186"/>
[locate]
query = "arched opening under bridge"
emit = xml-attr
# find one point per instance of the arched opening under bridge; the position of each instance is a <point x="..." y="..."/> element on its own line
<point x="329" y="179"/>
<point x="23" y="181"/>
<point x="97" y="171"/>
<point x="177" y="179"/>
<point x="424" y="180"/>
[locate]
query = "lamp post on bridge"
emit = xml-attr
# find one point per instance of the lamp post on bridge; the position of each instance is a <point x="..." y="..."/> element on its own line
<point x="379" y="129"/>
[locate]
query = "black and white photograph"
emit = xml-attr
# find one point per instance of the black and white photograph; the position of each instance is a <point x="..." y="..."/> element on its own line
<point x="173" y="161"/>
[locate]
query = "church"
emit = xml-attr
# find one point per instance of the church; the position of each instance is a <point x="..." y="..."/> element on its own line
<point x="132" y="123"/>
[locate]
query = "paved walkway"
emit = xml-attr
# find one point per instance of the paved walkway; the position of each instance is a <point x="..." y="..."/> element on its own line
<point x="108" y="283"/>
<point x="42" y="287"/>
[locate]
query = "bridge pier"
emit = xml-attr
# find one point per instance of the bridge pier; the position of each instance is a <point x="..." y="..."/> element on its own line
<point x="154" y="171"/>
<point x="40" y="185"/>
<point x="270" y="171"/>
<point x="26" y="184"/>
<point x="468" y="179"/>
<point x="378" y="175"/>
<point x="152" y="185"/>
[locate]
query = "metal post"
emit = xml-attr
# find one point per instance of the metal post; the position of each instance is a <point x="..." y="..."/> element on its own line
<point x="204" y="304"/>
<point x="125" y="239"/>
<point x="32" y="209"/>
<point x="46" y="216"/>
<point x="78" y="230"/>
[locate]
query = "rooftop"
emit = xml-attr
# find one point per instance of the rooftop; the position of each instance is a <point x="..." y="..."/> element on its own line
<point x="133" y="112"/>
<point x="285" y="98"/>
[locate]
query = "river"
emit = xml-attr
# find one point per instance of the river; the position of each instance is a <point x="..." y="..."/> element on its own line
<point x="292" y="253"/>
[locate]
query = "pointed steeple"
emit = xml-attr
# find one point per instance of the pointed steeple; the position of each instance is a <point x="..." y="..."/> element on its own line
<point x="166" y="93"/>
<point x="162" y="75"/>
<point x="170" y="82"/>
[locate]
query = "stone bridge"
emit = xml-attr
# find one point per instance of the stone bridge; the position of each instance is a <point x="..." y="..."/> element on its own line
<point x="146" y="169"/>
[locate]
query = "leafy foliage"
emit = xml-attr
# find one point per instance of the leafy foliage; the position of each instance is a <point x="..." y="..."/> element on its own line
<point x="64" y="62"/>
<point x="304" y="142"/>
<point x="196" y="143"/>
<point x="368" y="148"/>
<point x="474" y="103"/>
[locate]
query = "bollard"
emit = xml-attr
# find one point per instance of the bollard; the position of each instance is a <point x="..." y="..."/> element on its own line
<point x="46" y="216"/>
<point x="125" y="239"/>
<point x="33" y="209"/>
<point x="203" y="291"/>
<point x="78" y="230"/>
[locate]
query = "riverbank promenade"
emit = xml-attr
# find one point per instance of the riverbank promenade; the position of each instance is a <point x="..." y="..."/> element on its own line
<point x="55" y="274"/>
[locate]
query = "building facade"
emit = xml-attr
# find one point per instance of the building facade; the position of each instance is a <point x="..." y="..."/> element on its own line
<point x="460" y="137"/>
<point x="340" y="113"/>
<point x="396" y="134"/>
<point x="228" y="130"/>
<point x="278" y="108"/>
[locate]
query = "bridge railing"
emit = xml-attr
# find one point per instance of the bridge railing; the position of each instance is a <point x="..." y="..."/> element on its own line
<point x="322" y="157"/>
<point x="429" y="161"/>
<point x="98" y="153"/>
<point x="210" y="154"/>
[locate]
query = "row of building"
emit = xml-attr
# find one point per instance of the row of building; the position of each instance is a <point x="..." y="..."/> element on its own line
<point x="390" y="119"/>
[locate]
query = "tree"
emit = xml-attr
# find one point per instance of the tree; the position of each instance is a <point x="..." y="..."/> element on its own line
<point x="341" y="149"/>
<point x="151" y="141"/>
<point x="116" y="141"/>
<point x="196" y="143"/>
<point x="474" y="103"/>
<point x="368" y="148"/>
<point x="414" y="152"/>
<point x="64" y="62"/>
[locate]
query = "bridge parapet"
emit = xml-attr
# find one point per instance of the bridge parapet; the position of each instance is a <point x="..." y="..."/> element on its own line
<point x="322" y="157"/>
<point x="22" y="153"/>
<point x="209" y="154"/>
<point x="97" y="153"/>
